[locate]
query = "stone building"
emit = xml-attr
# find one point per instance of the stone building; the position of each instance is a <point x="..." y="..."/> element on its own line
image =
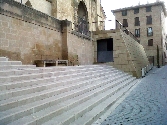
<point x="49" y="29"/>
<point x="73" y="10"/>
<point x="147" y="22"/>
<point x="33" y="30"/>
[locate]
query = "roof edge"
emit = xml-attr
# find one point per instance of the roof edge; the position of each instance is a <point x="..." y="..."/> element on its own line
<point x="144" y="5"/>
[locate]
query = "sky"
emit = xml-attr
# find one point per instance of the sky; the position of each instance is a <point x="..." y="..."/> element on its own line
<point x="109" y="5"/>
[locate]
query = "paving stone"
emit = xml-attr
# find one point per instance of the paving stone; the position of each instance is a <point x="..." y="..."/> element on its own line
<point x="145" y="105"/>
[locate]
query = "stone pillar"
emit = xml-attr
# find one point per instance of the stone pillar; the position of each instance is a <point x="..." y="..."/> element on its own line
<point x="54" y="8"/>
<point x="66" y="28"/>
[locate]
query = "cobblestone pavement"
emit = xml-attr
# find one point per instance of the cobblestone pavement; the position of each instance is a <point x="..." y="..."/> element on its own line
<point x="145" y="105"/>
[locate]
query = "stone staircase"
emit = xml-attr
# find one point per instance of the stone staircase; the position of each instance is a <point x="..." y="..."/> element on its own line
<point x="73" y="95"/>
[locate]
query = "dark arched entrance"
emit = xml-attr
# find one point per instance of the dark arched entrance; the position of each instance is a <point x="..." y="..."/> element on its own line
<point x="82" y="18"/>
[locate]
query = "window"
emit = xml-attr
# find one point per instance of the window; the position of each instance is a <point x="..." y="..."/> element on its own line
<point x="150" y="42"/>
<point x="149" y="31"/>
<point x="136" y="10"/>
<point x="149" y="19"/>
<point x="148" y="9"/>
<point x="124" y="12"/>
<point x="137" y="32"/>
<point x="125" y="23"/>
<point x="137" y="22"/>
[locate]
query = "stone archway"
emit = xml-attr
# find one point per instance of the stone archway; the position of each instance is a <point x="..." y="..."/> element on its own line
<point x="82" y="15"/>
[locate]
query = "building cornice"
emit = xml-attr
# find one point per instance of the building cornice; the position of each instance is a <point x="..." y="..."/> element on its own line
<point x="144" y="5"/>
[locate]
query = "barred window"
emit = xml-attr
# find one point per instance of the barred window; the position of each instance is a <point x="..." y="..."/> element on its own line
<point x="150" y="42"/>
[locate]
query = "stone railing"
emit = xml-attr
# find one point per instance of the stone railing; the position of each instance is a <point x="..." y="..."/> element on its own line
<point x="120" y="26"/>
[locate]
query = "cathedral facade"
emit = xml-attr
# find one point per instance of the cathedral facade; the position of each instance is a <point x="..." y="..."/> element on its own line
<point x="50" y="30"/>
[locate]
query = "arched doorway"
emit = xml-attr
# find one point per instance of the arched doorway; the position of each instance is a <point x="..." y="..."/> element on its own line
<point x="82" y="18"/>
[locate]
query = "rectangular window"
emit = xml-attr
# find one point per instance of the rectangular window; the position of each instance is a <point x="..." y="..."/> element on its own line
<point x="149" y="31"/>
<point x="149" y="19"/>
<point x="137" y="22"/>
<point x="125" y="23"/>
<point x="150" y="42"/>
<point x="124" y="12"/>
<point x="136" y="10"/>
<point x="148" y="9"/>
<point x="137" y="32"/>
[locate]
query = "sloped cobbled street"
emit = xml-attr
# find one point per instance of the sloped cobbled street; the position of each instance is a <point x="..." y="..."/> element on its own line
<point x="146" y="104"/>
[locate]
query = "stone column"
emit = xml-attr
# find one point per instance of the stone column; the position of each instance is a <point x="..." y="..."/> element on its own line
<point x="66" y="28"/>
<point x="54" y="8"/>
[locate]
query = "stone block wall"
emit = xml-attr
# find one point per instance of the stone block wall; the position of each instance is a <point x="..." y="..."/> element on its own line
<point x="80" y="50"/>
<point x="27" y="35"/>
<point x="40" y="5"/>
<point x="128" y="54"/>
<point x="24" y="41"/>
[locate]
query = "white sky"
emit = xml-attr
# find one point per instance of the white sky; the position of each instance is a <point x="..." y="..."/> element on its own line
<point x="109" y="5"/>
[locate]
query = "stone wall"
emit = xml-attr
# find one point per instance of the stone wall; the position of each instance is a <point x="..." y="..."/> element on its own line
<point x="40" y="5"/>
<point x="128" y="54"/>
<point x="27" y="35"/>
<point x="80" y="50"/>
<point x="24" y="41"/>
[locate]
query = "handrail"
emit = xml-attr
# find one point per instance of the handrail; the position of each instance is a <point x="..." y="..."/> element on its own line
<point x="120" y="26"/>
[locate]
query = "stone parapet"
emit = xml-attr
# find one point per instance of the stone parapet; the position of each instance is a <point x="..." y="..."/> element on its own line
<point x="22" y="12"/>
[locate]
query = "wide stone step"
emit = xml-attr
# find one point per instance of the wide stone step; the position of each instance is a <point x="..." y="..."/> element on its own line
<point x="24" y="99"/>
<point x="91" y="116"/>
<point x="76" y="112"/>
<point x="15" y="78"/>
<point x="65" y="110"/>
<point x="3" y="59"/>
<point x="3" y="63"/>
<point x="51" y="101"/>
<point x="13" y="72"/>
<point x="5" y="94"/>
<point x="19" y="67"/>
<point x="60" y="75"/>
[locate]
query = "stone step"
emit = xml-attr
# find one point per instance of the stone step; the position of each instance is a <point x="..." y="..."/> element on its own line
<point x="74" y="93"/>
<point x="15" y="101"/>
<point x="57" y="70"/>
<point x="4" y="63"/>
<point x="6" y="94"/>
<point x="49" y="100"/>
<point x="13" y="72"/>
<point x="77" y="112"/>
<point x="24" y="83"/>
<point x="91" y="116"/>
<point x="3" y="59"/>
<point x="19" y="67"/>
<point x="15" y="78"/>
